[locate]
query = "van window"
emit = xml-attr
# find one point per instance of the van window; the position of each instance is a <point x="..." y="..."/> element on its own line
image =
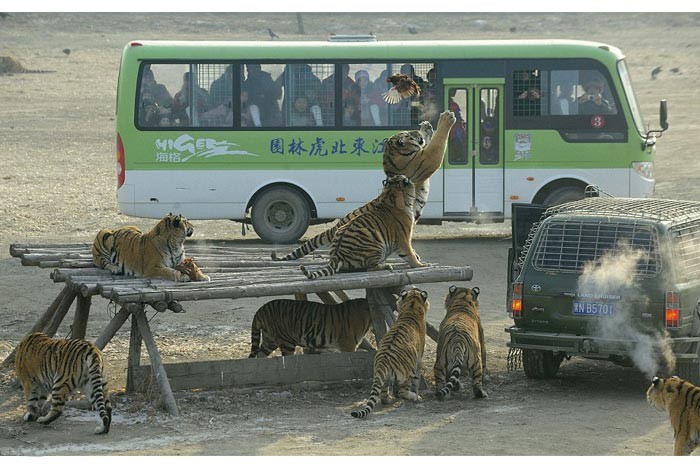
<point x="568" y="246"/>
<point x="688" y="240"/>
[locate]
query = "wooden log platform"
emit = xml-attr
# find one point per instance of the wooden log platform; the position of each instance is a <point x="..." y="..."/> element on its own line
<point x="235" y="272"/>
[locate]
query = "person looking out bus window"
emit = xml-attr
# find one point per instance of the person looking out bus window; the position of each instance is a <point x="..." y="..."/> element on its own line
<point x="182" y="105"/>
<point x="264" y="94"/>
<point x="155" y="101"/>
<point x="592" y="101"/>
<point x="370" y="99"/>
<point x="299" y="81"/>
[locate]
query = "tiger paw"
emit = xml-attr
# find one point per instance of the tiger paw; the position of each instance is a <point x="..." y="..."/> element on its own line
<point x="181" y="277"/>
<point x="29" y="417"/>
<point x="447" y="118"/>
<point x="45" y="419"/>
<point x="427" y="129"/>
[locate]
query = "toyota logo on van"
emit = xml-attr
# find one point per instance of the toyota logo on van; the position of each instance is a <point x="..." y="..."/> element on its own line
<point x="536" y="288"/>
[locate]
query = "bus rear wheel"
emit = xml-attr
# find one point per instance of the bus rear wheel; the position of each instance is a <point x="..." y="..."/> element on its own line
<point x="280" y="215"/>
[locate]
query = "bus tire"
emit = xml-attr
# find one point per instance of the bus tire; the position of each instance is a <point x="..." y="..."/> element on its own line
<point x="563" y="194"/>
<point x="280" y="215"/>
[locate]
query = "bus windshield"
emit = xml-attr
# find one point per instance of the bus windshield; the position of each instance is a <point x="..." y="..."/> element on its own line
<point x="631" y="96"/>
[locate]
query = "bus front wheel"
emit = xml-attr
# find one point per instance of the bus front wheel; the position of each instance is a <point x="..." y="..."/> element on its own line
<point x="280" y="215"/>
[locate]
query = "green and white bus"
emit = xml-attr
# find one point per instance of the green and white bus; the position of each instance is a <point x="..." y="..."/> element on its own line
<point x="264" y="133"/>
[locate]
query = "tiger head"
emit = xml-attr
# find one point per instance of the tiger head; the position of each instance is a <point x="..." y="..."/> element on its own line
<point x="400" y="150"/>
<point x="413" y="300"/>
<point x="400" y="192"/>
<point x="464" y="296"/>
<point x="175" y="227"/>
<point x="662" y="392"/>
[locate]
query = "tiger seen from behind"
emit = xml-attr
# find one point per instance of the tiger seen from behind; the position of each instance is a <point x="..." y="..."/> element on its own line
<point x="399" y="353"/>
<point x="156" y="253"/>
<point x="367" y="240"/>
<point x="460" y="344"/>
<point x="681" y="400"/>
<point x="316" y="327"/>
<point x="60" y="367"/>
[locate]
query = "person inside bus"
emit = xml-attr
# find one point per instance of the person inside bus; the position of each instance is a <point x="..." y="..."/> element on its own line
<point x="155" y="100"/>
<point x="431" y="109"/>
<point x="220" y="100"/>
<point x="458" y="132"/>
<point x="182" y="108"/>
<point x="370" y="100"/>
<point x="592" y="101"/>
<point x="350" y="94"/>
<point x="299" y="81"/>
<point x="564" y="101"/>
<point x="526" y="89"/>
<point x="380" y="86"/>
<point x="301" y="114"/>
<point x="264" y="94"/>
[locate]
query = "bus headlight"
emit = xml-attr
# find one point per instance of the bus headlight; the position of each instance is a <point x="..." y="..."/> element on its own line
<point x="644" y="169"/>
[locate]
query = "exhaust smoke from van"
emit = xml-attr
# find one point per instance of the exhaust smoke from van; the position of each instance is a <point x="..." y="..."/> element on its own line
<point x="612" y="276"/>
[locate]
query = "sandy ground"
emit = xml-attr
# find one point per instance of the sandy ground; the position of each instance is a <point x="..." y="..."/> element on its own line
<point x="57" y="184"/>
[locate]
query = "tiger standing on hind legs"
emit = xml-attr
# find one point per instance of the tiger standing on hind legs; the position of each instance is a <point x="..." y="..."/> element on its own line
<point x="416" y="154"/>
<point x="399" y="353"/>
<point x="460" y="344"/>
<point x="367" y="240"/>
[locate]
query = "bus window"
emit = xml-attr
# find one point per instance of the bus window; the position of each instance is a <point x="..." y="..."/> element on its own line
<point x="365" y="95"/>
<point x="457" y="143"/>
<point x="261" y="95"/>
<point x="527" y="93"/>
<point x="580" y="92"/>
<point x="305" y="94"/>
<point x="409" y="111"/>
<point x="155" y="99"/>
<point x="489" y="127"/>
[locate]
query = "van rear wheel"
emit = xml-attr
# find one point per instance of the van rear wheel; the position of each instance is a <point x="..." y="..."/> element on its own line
<point x="539" y="364"/>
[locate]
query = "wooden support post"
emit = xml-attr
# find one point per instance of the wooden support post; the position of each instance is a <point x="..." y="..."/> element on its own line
<point x="112" y="328"/>
<point x="41" y="323"/>
<point x="432" y="331"/>
<point x="61" y="312"/>
<point x="80" y="319"/>
<point x="381" y="306"/>
<point x="326" y="297"/>
<point x="300" y="296"/>
<point x="158" y="369"/>
<point x="134" y="355"/>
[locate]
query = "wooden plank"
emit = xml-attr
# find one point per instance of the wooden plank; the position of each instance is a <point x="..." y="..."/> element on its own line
<point x="345" y="281"/>
<point x="156" y="363"/>
<point x="327" y="367"/>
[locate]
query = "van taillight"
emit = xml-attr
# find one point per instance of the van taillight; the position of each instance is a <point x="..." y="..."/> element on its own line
<point x="516" y="305"/>
<point x="121" y="172"/>
<point x="673" y="309"/>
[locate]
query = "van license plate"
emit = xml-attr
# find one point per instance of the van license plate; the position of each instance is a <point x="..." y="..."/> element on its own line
<point x="587" y="308"/>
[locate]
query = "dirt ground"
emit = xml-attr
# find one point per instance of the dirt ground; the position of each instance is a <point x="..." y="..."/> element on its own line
<point x="57" y="184"/>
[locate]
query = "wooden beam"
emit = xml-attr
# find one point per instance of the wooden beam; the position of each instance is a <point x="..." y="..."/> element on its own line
<point x="134" y="360"/>
<point x="80" y="319"/>
<point x="61" y="312"/>
<point x="327" y="367"/>
<point x="112" y="328"/>
<point x="156" y="363"/>
<point x="326" y="297"/>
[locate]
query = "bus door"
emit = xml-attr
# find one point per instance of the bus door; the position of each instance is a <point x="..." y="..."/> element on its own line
<point x="473" y="168"/>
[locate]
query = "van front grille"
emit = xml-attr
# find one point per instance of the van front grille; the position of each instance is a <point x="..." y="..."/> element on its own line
<point x="566" y="246"/>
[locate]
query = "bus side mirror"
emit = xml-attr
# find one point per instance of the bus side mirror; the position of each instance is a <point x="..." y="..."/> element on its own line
<point x="663" y="115"/>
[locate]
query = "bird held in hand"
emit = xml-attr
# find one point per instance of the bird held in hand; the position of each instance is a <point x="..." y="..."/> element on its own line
<point x="403" y="87"/>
